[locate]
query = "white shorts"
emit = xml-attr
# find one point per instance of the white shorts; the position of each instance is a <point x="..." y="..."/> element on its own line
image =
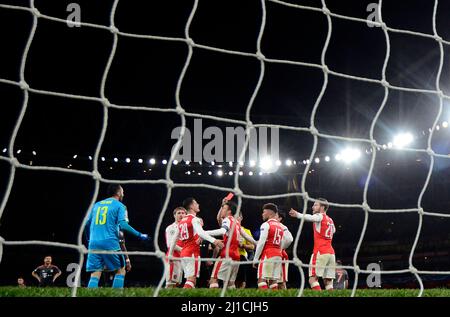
<point x="323" y="265"/>
<point x="174" y="273"/>
<point x="284" y="273"/>
<point x="191" y="266"/>
<point x="221" y="270"/>
<point x="268" y="269"/>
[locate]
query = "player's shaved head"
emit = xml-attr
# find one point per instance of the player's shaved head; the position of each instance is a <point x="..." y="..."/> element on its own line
<point x="115" y="190"/>
<point x="271" y="206"/>
<point x="188" y="203"/>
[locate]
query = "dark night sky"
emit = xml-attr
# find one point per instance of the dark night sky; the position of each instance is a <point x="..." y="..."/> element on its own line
<point x="50" y="205"/>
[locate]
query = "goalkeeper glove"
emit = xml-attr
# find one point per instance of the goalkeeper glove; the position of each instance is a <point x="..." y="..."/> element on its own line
<point x="144" y="237"/>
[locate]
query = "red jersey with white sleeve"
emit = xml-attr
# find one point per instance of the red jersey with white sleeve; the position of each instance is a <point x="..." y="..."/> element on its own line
<point x="271" y="237"/>
<point x="323" y="234"/>
<point x="171" y="234"/>
<point x="228" y="223"/>
<point x="188" y="237"/>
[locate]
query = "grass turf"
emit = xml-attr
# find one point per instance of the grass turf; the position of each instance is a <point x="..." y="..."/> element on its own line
<point x="202" y="292"/>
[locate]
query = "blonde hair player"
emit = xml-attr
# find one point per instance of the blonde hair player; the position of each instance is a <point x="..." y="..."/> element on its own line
<point x="174" y="273"/>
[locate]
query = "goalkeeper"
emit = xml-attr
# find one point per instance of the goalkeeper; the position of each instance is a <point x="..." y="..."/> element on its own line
<point x="105" y="220"/>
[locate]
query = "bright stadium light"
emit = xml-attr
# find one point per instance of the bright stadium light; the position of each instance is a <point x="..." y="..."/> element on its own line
<point x="308" y="161"/>
<point x="384" y="146"/>
<point x="128" y="160"/>
<point x="327" y="158"/>
<point x="266" y="163"/>
<point x="241" y="173"/>
<point x="152" y="161"/>
<point x="34" y="153"/>
<point x="19" y="151"/>
<point x="4" y="150"/>
<point x="252" y="163"/>
<point x="445" y="124"/>
<point x="390" y="145"/>
<point x="230" y="164"/>
<point x="188" y="172"/>
<point x="438" y="127"/>
<point x="212" y="163"/>
<point x="116" y="159"/>
<point x="90" y="157"/>
<point x="250" y="173"/>
<point x="219" y="173"/>
<point x="278" y="163"/>
<point x="241" y="163"/>
<point x="317" y="160"/>
<point x="230" y="173"/>
<point x="75" y="156"/>
<point x="338" y="157"/>
<point x="260" y="173"/>
<point x="175" y="162"/>
<point x="187" y="162"/>
<point x="164" y="162"/>
<point x="288" y="162"/>
<point x="103" y="159"/>
<point x="141" y="161"/>
<point x="350" y="155"/>
<point x="403" y="139"/>
<point x="209" y="173"/>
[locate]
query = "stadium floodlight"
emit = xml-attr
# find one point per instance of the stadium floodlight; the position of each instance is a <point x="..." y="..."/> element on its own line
<point x="308" y="161"/>
<point x="19" y="151"/>
<point x="199" y="174"/>
<point x="75" y="156"/>
<point x="288" y="162"/>
<point x="164" y="162"/>
<point x="241" y="173"/>
<point x="278" y="163"/>
<point x="438" y="127"/>
<point x="266" y="163"/>
<point x="260" y="173"/>
<point x="103" y="158"/>
<point x="384" y="146"/>
<point x="116" y="159"/>
<point x="175" y="162"/>
<point x="141" y="161"/>
<point x="230" y="164"/>
<point x="152" y="161"/>
<point x="4" y="150"/>
<point x="34" y="153"/>
<point x="209" y="173"/>
<point x="128" y="160"/>
<point x="250" y="173"/>
<point x="317" y="160"/>
<point x="212" y="163"/>
<point x="350" y="155"/>
<point x="389" y="145"/>
<point x="90" y="157"/>
<point x="403" y="139"/>
<point x="187" y="162"/>
<point x="230" y="173"/>
<point x="188" y="172"/>
<point x="241" y="163"/>
<point x="252" y="163"/>
<point x="445" y="124"/>
<point x="327" y="158"/>
<point x="219" y="173"/>
<point x="338" y="157"/>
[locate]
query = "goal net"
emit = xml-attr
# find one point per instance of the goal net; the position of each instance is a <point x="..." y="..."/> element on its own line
<point x="264" y="54"/>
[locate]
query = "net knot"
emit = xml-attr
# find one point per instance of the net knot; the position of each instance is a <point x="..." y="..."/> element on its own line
<point x="298" y="262"/>
<point x="430" y="152"/>
<point x="169" y="183"/>
<point x="15" y="162"/>
<point x="160" y="254"/>
<point x="326" y="11"/>
<point x="441" y="94"/>
<point x="82" y="249"/>
<point x="96" y="175"/>
<point x="106" y="102"/>
<point x="413" y="270"/>
<point x="325" y="69"/>
<point x="357" y="269"/>
<point x="438" y="38"/>
<point x="366" y="206"/>
<point x="36" y="12"/>
<point x="260" y="56"/>
<point x="314" y="131"/>
<point x="385" y="83"/>
<point x="421" y="211"/>
<point x="238" y="191"/>
<point x="2" y="240"/>
<point x="113" y="29"/>
<point x="180" y="111"/>
<point x="190" y="41"/>
<point x="23" y="85"/>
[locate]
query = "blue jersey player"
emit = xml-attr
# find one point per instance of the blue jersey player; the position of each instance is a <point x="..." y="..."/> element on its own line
<point x="107" y="217"/>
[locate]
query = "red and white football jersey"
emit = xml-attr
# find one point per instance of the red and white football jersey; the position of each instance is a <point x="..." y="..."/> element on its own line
<point x="188" y="237"/>
<point x="229" y="222"/>
<point x="323" y="235"/>
<point x="272" y="246"/>
<point x="171" y="232"/>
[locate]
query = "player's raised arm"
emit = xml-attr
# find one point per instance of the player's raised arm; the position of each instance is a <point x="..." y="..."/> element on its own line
<point x="310" y="218"/>
<point x="223" y="230"/>
<point x="264" y="231"/>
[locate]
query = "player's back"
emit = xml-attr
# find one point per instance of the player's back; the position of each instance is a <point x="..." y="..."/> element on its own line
<point x="104" y="224"/>
<point x="188" y="236"/>
<point x="274" y="238"/>
<point x="323" y="235"/>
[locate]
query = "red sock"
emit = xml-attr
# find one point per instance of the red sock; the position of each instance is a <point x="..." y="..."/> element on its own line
<point x="262" y="285"/>
<point x="189" y="284"/>
<point x="316" y="286"/>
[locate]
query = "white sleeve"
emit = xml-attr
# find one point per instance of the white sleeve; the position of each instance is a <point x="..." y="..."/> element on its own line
<point x="287" y="238"/>
<point x="263" y="233"/>
<point x="247" y="236"/>
<point x="173" y="243"/>
<point x="199" y="230"/>
<point x="171" y="232"/>
<point x="310" y="218"/>
<point x="217" y="232"/>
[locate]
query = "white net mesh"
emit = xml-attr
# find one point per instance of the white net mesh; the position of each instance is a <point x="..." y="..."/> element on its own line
<point x="180" y="111"/>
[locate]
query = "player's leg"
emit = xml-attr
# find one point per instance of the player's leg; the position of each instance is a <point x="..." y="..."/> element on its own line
<point x="191" y="270"/>
<point x="94" y="265"/>
<point x="274" y="274"/>
<point x="313" y="278"/>
<point x="234" y="272"/>
<point x="262" y="267"/>
<point x="330" y="272"/>
<point x="170" y="267"/>
<point x="214" y="280"/>
<point x="116" y="263"/>
<point x="241" y="277"/>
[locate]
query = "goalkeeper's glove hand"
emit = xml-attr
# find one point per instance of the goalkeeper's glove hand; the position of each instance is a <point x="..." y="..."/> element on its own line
<point x="144" y="237"/>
